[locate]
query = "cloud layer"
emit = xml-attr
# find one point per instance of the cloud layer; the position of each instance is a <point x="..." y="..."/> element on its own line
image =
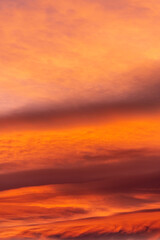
<point x="79" y="120"/>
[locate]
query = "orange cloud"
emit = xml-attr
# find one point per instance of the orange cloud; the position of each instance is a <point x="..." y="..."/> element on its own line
<point x="79" y="119"/>
<point x="136" y="225"/>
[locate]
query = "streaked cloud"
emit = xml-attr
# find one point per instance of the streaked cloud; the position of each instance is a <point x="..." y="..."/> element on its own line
<point x="79" y="120"/>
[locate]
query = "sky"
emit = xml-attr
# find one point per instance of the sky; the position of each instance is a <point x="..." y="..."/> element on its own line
<point x="79" y="120"/>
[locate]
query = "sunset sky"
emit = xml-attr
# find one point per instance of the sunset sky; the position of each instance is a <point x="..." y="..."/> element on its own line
<point x="79" y="120"/>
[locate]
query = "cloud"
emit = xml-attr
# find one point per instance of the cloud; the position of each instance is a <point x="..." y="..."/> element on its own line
<point x="28" y="213"/>
<point x="82" y="58"/>
<point x="117" y="154"/>
<point x="136" y="175"/>
<point x="126" y="226"/>
<point x="124" y="7"/>
<point x="142" y="100"/>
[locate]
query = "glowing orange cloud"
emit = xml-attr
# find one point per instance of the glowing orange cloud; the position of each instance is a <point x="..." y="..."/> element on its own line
<point x="79" y="120"/>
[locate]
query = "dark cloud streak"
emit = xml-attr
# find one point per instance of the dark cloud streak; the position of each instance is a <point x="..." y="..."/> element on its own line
<point x="142" y="100"/>
<point x="139" y="175"/>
